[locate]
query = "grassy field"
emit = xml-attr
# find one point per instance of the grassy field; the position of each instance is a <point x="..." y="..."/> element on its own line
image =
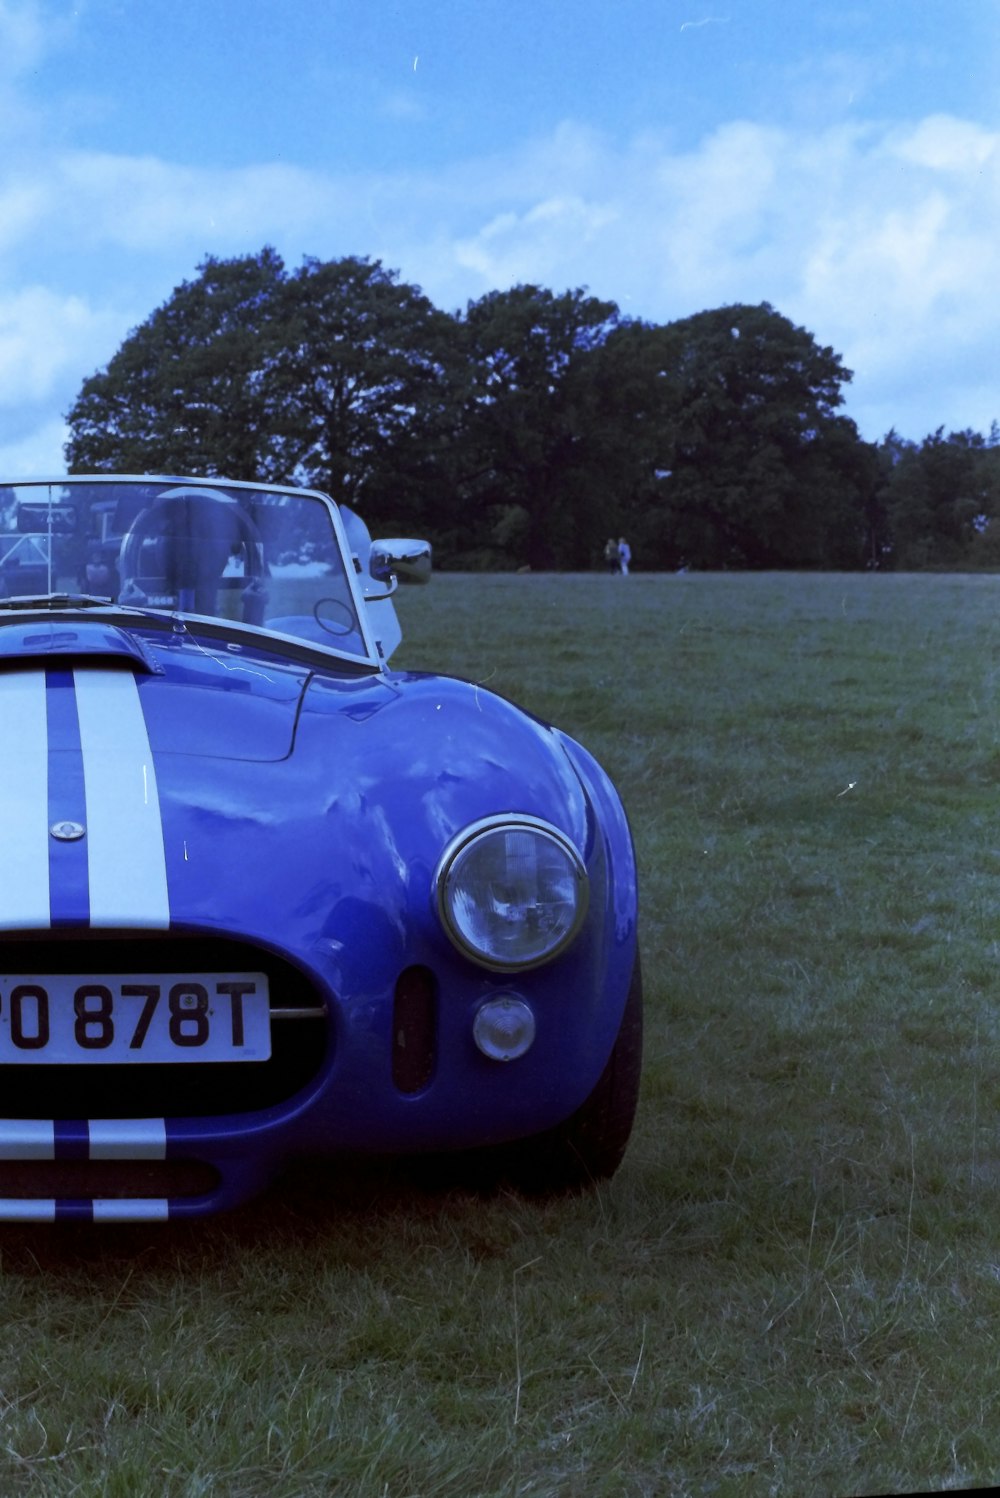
<point x="793" y="1284"/>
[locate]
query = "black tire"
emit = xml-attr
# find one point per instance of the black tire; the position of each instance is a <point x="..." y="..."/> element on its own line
<point x="588" y="1147"/>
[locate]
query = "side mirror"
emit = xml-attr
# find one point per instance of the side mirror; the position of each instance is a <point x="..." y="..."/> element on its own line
<point x="405" y="559"/>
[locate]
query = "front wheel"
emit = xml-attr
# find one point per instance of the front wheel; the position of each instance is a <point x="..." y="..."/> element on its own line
<point x="588" y="1147"/>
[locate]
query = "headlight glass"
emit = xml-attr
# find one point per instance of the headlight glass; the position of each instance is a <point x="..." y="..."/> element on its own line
<point x="512" y="892"/>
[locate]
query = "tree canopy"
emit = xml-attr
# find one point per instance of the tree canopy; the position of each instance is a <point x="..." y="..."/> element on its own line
<point x="251" y="372"/>
<point x="523" y="462"/>
<point x="526" y="428"/>
<point x="184" y="392"/>
<point x="760" y="463"/>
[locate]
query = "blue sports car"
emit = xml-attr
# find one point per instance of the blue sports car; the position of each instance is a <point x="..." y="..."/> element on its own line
<point x="263" y="897"/>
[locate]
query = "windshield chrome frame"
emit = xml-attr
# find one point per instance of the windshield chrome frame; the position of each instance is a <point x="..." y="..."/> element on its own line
<point x="372" y="660"/>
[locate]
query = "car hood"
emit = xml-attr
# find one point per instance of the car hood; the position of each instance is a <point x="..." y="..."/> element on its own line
<point x="199" y="788"/>
<point x="204" y="699"/>
<point x="335" y="849"/>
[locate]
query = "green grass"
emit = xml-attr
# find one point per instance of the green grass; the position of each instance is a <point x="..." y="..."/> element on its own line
<point x="793" y="1284"/>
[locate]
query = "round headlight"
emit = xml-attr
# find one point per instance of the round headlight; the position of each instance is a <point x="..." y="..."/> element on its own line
<point x="512" y="892"/>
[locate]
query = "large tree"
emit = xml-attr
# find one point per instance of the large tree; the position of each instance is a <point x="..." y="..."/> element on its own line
<point x="525" y="430"/>
<point x="763" y="470"/>
<point x="943" y="499"/>
<point x="525" y="459"/>
<point x="185" y="393"/>
<point x="359" y="392"/>
<point x="334" y="375"/>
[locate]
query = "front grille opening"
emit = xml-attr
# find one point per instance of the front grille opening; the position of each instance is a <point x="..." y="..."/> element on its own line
<point x="414" y="1029"/>
<point x="299" y="1045"/>
<point x="119" y="1180"/>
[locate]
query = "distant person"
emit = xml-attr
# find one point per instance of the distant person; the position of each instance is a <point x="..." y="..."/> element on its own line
<point x="612" y="556"/>
<point x="624" y="556"/>
<point x="97" y="575"/>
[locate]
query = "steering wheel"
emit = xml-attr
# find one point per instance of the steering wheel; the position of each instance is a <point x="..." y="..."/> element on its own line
<point x="193" y="532"/>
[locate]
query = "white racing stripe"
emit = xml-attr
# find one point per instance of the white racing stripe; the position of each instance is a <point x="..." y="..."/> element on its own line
<point x="17" y="1209"/>
<point x="131" y="1209"/>
<point x="127" y="1138"/>
<point x="27" y="1139"/>
<point x="139" y="1209"/>
<point x="24" y="801"/>
<point x="125" y="857"/>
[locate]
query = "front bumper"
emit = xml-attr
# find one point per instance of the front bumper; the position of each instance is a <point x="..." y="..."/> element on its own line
<point x="85" y="1149"/>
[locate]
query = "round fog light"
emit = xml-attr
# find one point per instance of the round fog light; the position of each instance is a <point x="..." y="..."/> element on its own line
<point x="504" y="1028"/>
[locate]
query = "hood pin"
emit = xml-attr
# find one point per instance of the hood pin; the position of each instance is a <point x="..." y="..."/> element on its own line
<point x="67" y="832"/>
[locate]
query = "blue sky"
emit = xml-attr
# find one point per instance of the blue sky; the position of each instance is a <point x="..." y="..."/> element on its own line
<point x="841" y="161"/>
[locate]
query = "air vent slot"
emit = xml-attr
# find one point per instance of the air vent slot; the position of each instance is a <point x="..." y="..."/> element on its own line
<point x="414" y="1029"/>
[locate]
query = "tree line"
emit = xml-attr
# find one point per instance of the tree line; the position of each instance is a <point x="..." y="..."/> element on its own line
<point x="526" y="429"/>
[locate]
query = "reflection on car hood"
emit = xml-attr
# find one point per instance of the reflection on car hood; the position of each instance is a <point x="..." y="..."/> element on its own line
<point x="218" y="705"/>
<point x="197" y="699"/>
<point x="343" y="837"/>
<point x="61" y="641"/>
<point x="140" y="793"/>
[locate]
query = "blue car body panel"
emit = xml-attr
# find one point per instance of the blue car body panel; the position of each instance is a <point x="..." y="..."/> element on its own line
<point x="298" y="808"/>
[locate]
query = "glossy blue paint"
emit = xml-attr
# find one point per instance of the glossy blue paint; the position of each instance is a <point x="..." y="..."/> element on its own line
<point x="81" y="639"/>
<point x="302" y="804"/>
<point x="346" y="834"/>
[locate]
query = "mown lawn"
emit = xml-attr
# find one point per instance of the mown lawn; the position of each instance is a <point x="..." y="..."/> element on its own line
<point x="793" y="1284"/>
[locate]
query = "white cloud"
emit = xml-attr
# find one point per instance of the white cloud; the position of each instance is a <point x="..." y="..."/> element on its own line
<point x="37" y="455"/>
<point x="43" y="336"/>
<point x="531" y="246"/>
<point x="402" y="104"/>
<point x="880" y="239"/>
<point x="146" y="206"/>
<point x="23" y="204"/>
<point x="944" y="144"/>
<point x="26" y="33"/>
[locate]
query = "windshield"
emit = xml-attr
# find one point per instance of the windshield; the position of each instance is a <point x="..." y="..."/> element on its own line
<point x="270" y="559"/>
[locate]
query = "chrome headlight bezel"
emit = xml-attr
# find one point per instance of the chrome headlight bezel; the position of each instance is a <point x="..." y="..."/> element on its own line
<point x="455" y="859"/>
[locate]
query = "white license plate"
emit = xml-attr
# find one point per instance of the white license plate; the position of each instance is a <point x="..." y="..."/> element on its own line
<point x="78" y="1018"/>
